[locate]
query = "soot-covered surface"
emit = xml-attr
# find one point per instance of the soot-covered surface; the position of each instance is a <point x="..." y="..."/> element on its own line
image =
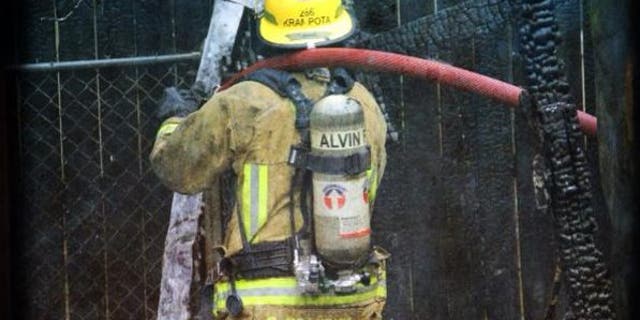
<point x="457" y="207"/>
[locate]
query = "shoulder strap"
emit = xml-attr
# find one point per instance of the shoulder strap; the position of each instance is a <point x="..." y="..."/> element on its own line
<point x="284" y="84"/>
<point x="276" y="80"/>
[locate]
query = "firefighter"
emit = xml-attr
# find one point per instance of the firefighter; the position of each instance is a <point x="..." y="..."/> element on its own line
<point x="307" y="150"/>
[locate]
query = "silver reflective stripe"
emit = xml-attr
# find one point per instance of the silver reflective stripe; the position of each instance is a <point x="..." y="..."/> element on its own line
<point x="257" y="292"/>
<point x="255" y="199"/>
<point x="255" y="189"/>
<point x="290" y="291"/>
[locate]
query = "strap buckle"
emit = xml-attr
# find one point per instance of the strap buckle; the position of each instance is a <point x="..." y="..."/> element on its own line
<point x="353" y="164"/>
<point x="298" y="157"/>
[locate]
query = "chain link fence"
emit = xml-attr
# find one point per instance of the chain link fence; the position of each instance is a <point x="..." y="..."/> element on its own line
<point x="93" y="218"/>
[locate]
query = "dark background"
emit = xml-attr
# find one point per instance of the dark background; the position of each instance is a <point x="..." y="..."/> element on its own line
<point x="86" y="217"/>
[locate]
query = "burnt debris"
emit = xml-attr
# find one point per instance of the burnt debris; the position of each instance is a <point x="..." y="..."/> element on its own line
<point x="567" y="178"/>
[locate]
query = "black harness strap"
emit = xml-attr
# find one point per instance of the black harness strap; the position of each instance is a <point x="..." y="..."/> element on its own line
<point x="273" y="259"/>
<point x="268" y="259"/>
<point x="276" y="80"/>
<point x="350" y="165"/>
<point x="341" y="82"/>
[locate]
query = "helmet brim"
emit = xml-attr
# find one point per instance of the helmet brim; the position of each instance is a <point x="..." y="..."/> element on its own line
<point x="277" y="36"/>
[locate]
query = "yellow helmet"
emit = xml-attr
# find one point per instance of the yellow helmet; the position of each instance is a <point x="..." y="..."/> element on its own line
<point x="304" y="23"/>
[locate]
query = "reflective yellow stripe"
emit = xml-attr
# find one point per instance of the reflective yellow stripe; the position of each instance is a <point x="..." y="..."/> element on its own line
<point x="166" y="129"/>
<point x="373" y="184"/>
<point x="168" y="126"/>
<point x="284" y="292"/>
<point x="280" y="282"/>
<point x="285" y="282"/>
<point x="254" y="198"/>
<point x="286" y="289"/>
<point x="303" y="300"/>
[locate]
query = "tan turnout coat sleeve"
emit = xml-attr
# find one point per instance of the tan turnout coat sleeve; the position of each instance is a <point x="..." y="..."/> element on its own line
<point x="244" y="127"/>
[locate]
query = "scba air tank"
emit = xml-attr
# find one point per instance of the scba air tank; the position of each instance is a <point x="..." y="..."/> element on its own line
<point x="340" y="157"/>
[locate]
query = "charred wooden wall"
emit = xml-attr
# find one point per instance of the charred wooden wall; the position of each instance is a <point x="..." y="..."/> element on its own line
<point x="456" y="208"/>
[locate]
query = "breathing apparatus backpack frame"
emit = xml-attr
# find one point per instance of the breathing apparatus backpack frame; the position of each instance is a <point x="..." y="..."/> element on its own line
<point x="296" y="256"/>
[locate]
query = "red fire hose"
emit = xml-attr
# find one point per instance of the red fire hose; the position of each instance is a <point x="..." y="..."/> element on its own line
<point x="380" y="61"/>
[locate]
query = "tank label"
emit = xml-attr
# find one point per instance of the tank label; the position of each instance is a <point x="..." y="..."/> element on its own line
<point x="340" y="207"/>
<point x="337" y="140"/>
<point x="354" y="227"/>
<point x="334" y="197"/>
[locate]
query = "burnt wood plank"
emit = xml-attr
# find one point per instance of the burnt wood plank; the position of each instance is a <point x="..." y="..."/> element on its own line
<point x="462" y="276"/>
<point x="569" y="21"/>
<point x="76" y="32"/>
<point x="421" y="150"/>
<point x="116" y="29"/>
<point x="38" y="263"/>
<point x="84" y="233"/>
<point x="421" y="146"/>
<point x="603" y="215"/>
<point x="391" y="222"/>
<point x="489" y="133"/>
<point x="123" y="216"/>
<point x="403" y="222"/>
<point x="124" y="212"/>
<point x="35" y="39"/>
<point x="83" y="197"/>
<point x="377" y="16"/>
<point x="189" y="27"/>
<point x="156" y="198"/>
<point x="154" y="32"/>
<point x="191" y="24"/>
<point x="615" y="48"/>
<point x="459" y="239"/>
<point x="537" y="229"/>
